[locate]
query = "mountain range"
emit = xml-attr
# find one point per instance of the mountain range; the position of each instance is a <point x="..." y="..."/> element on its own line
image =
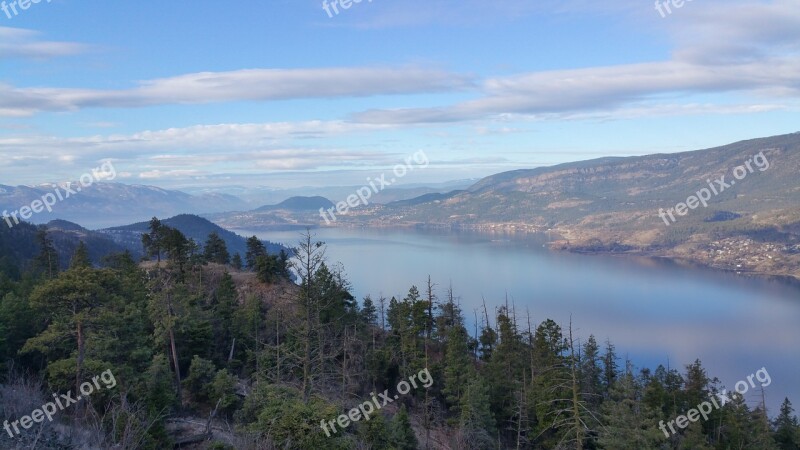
<point x="749" y="219"/>
<point x="18" y="244"/>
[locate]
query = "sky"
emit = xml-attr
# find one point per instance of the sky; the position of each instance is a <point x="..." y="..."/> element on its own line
<point x="281" y="93"/>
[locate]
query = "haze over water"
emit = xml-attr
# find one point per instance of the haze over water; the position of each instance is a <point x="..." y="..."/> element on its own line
<point x="655" y="312"/>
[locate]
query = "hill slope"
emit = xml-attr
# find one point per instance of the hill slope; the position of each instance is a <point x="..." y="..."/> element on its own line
<point x="194" y="227"/>
<point x="109" y="204"/>
<point x="623" y="193"/>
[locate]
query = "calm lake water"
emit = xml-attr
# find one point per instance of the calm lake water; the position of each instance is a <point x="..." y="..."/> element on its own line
<point x="654" y="312"/>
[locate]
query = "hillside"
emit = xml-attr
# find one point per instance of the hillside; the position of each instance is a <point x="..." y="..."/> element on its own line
<point x="110" y="204"/>
<point x="18" y="245"/>
<point x="299" y="204"/>
<point x="194" y="227"/>
<point x="613" y="204"/>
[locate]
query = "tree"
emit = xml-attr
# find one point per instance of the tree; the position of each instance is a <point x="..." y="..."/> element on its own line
<point x="476" y="422"/>
<point x="215" y="250"/>
<point x="74" y="304"/>
<point x="81" y="257"/>
<point x="223" y="306"/>
<point x="309" y="258"/>
<point x="628" y="421"/>
<point x="592" y="373"/>
<point x="368" y="311"/>
<point x="402" y="435"/>
<point x="458" y="370"/>
<point x="153" y="242"/>
<point x="47" y="259"/>
<point x="271" y="268"/>
<point x="255" y="248"/>
<point x="236" y="262"/>
<point x="609" y="365"/>
<point x="787" y="430"/>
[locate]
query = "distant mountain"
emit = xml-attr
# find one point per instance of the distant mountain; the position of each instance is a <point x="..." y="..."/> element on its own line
<point x="422" y="199"/>
<point x="299" y="204"/>
<point x="110" y="204"/>
<point x="622" y="194"/>
<point x="750" y="223"/>
<point x="18" y="244"/>
<point x="67" y="235"/>
<point x="265" y="195"/>
<point x="194" y="227"/>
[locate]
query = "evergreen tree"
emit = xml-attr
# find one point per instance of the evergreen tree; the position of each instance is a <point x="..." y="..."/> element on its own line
<point x="368" y="311"/>
<point x="402" y="435"/>
<point x="153" y="242"/>
<point x="46" y="261"/>
<point x="610" y="368"/>
<point x="223" y="306"/>
<point x="787" y="430"/>
<point x="375" y="432"/>
<point x="255" y="249"/>
<point x="81" y="257"/>
<point x="476" y="422"/>
<point x="592" y="374"/>
<point x="236" y="261"/>
<point x="629" y="423"/>
<point x="504" y="371"/>
<point x="215" y="250"/>
<point x="75" y="303"/>
<point x="458" y="370"/>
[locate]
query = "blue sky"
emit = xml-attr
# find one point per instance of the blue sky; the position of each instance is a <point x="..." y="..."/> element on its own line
<point x="277" y="93"/>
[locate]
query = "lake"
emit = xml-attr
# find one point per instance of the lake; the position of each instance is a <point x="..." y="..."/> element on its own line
<point x="653" y="311"/>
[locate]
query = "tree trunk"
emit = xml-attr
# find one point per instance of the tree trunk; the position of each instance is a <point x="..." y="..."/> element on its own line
<point x="79" y="365"/>
<point x="176" y="365"/>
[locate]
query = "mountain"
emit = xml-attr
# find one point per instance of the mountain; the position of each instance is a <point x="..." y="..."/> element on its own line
<point x="747" y="221"/>
<point x="110" y="204"/>
<point x="265" y="195"/>
<point x="193" y="227"/>
<point x="624" y="194"/>
<point x="422" y="199"/>
<point x="299" y="204"/>
<point x="18" y="244"/>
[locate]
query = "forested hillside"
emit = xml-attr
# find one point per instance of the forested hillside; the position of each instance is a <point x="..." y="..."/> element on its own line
<point x="210" y="351"/>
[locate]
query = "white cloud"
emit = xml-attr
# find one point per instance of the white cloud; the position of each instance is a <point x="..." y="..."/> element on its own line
<point x="747" y="48"/>
<point x="156" y="174"/>
<point x="22" y="43"/>
<point x="239" y="85"/>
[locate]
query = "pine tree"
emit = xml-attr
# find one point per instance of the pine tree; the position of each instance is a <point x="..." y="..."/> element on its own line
<point x="375" y="432"/>
<point x="592" y="374"/>
<point x="255" y="249"/>
<point x="402" y="435"/>
<point x="47" y="260"/>
<point x="629" y="423"/>
<point x="153" y="242"/>
<point x="74" y="304"/>
<point x="215" y="250"/>
<point x="81" y="257"/>
<point x="368" y="311"/>
<point x="476" y="422"/>
<point x="458" y="370"/>
<point x="609" y="365"/>
<point x="236" y="261"/>
<point x="787" y="430"/>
